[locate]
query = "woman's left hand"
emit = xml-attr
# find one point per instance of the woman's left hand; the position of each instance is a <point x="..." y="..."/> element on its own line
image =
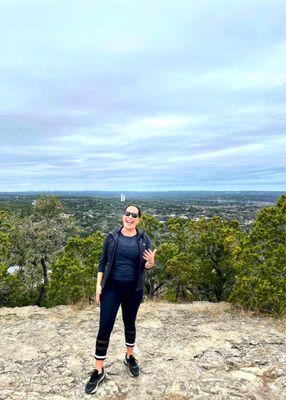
<point x="149" y="256"/>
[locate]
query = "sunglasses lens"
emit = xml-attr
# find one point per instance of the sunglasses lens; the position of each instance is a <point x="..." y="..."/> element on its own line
<point x="127" y="213"/>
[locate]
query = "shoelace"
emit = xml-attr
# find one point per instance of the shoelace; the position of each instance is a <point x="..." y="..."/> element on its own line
<point x="94" y="374"/>
<point x="132" y="361"/>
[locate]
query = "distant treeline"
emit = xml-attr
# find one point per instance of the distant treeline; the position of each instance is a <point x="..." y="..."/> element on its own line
<point x="45" y="261"/>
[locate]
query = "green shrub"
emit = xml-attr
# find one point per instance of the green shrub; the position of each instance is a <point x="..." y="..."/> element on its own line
<point x="73" y="273"/>
<point x="261" y="266"/>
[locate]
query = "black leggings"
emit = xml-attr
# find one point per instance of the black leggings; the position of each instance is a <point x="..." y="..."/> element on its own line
<point x="114" y="294"/>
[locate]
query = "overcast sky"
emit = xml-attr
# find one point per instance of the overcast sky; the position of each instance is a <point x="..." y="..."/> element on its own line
<point x="142" y="95"/>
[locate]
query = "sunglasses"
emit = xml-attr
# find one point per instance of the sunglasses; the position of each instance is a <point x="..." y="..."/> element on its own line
<point x="127" y="213"/>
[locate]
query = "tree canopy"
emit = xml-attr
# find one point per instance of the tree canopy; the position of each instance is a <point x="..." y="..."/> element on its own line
<point x="44" y="260"/>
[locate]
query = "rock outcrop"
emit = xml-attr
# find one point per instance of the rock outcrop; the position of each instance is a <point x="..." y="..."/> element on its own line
<point x="198" y="351"/>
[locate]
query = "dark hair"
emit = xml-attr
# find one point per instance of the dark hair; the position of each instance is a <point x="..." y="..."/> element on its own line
<point x="133" y="205"/>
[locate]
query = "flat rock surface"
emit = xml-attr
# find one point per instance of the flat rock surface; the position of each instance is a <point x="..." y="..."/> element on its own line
<point x="197" y="351"/>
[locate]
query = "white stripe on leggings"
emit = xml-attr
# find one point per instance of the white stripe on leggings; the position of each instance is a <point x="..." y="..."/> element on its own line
<point x="100" y="357"/>
<point x="130" y="344"/>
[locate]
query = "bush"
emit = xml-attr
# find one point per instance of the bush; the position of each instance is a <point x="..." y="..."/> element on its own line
<point x="73" y="275"/>
<point x="261" y="267"/>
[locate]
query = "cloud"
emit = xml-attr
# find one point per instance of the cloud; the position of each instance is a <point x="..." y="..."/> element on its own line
<point x="126" y="95"/>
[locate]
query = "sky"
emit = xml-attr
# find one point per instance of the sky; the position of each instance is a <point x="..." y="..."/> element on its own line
<point x="134" y="95"/>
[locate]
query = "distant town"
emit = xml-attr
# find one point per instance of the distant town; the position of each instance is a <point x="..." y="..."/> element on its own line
<point x="103" y="210"/>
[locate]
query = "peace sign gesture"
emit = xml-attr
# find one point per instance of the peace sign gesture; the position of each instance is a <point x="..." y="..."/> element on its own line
<point x="149" y="256"/>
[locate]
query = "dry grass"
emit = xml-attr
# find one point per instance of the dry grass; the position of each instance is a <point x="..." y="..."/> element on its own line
<point x="278" y="323"/>
<point x="212" y="309"/>
<point x="200" y="307"/>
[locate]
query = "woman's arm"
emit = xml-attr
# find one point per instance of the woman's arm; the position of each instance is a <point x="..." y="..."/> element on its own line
<point x="101" y="268"/>
<point x="98" y="287"/>
<point x="99" y="279"/>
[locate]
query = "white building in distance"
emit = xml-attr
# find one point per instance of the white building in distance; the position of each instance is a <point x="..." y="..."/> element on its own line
<point x="122" y="197"/>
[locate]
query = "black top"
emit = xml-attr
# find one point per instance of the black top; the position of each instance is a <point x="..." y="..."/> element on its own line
<point x="108" y="254"/>
<point x="126" y="260"/>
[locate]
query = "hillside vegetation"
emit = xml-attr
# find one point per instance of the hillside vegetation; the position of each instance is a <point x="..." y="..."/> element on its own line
<point x="45" y="261"/>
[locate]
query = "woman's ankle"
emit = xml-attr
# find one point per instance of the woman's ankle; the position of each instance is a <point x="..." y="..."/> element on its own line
<point x="99" y="367"/>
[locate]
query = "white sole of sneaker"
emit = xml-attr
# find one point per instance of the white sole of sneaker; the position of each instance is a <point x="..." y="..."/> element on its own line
<point x="96" y="387"/>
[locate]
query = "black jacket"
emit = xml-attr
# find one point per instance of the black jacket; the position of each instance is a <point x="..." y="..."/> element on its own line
<point x="108" y="252"/>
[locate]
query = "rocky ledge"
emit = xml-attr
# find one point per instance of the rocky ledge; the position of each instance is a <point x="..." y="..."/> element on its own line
<point x="196" y="351"/>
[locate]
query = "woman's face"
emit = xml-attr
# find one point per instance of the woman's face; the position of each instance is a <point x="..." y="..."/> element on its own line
<point x="130" y="222"/>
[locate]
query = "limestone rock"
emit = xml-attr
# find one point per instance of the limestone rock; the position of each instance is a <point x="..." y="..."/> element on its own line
<point x="197" y="351"/>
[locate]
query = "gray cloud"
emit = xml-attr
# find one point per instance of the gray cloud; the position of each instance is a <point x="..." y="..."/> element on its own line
<point x="183" y="95"/>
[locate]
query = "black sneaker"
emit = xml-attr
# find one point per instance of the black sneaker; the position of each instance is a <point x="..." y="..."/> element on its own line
<point x="131" y="362"/>
<point x="94" y="381"/>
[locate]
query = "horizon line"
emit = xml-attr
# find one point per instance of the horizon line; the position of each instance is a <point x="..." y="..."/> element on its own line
<point x="141" y="191"/>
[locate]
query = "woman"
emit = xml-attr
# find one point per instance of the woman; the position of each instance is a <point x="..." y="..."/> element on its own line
<point x="120" y="281"/>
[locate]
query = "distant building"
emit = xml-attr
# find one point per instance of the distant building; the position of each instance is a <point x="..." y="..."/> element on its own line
<point x="122" y="197"/>
<point x="13" y="268"/>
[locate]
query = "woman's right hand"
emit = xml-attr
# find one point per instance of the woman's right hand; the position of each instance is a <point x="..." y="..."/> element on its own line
<point x="97" y="294"/>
